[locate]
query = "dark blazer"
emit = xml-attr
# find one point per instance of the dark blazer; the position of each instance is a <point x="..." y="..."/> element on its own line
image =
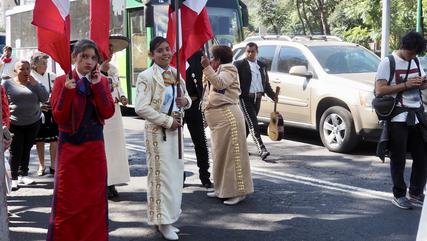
<point x="194" y="75"/>
<point x="245" y="77"/>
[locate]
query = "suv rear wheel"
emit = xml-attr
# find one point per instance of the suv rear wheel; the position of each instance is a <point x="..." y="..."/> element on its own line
<point x="337" y="131"/>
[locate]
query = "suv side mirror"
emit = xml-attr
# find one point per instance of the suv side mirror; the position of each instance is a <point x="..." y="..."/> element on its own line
<point x="300" y="70"/>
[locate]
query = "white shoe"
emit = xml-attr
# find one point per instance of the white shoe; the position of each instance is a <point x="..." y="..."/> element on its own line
<point x="234" y="200"/>
<point x="167" y="232"/>
<point x="24" y="180"/>
<point x="211" y="194"/>
<point x="175" y="229"/>
<point x="14" y="185"/>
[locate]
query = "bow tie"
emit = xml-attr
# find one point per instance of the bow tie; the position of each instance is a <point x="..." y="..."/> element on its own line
<point x="168" y="78"/>
<point x="83" y="86"/>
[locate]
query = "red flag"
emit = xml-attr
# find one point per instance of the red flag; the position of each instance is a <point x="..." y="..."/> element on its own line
<point x="100" y="25"/>
<point x="52" y="21"/>
<point x="195" y="30"/>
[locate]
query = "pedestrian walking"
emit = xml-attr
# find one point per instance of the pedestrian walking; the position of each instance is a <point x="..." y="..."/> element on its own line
<point x="406" y="125"/>
<point x="114" y="136"/>
<point x="25" y="94"/>
<point x="254" y="84"/>
<point x="231" y="167"/>
<point x="80" y="105"/>
<point x="194" y="119"/>
<point x="157" y="99"/>
<point x="48" y="132"/>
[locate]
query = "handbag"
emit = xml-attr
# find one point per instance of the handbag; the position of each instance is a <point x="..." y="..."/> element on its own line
<point x="384" y="106"/>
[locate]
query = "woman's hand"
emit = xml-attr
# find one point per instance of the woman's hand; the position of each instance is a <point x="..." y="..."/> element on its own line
<point x="205" y="62"/>
<point x="32" y="81"/>
<point x="70" y="83"/>
<point x="181" y="101"/>
<point x="124" y="100"/>
<point x="176" y="123"/>
<point x="95" y="76"/>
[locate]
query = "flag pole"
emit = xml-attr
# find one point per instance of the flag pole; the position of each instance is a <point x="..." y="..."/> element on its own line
<point x="178" y="76"/>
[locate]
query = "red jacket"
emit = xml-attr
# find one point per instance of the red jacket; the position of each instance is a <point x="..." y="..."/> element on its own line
<point x="69" y="106"/>
<point x="5" y="108"/>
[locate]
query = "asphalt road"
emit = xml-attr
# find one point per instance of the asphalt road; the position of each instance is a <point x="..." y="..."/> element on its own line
<point x="305" y="193"/>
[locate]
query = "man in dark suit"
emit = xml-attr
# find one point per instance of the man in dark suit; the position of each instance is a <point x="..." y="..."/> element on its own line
<point x="193" y="117"/>
<point x="254" y="84"/>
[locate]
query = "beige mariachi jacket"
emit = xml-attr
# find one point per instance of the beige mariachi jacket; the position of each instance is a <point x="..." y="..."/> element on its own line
<point x="221" y="87"/>
<point x="150" y="94"/>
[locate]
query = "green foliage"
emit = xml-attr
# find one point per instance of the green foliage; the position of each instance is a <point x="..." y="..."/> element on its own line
<point x="357" y="21"/>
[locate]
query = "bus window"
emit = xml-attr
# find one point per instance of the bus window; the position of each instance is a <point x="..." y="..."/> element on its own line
<point x="138" y="37"/>
<point x="225" y="25"/>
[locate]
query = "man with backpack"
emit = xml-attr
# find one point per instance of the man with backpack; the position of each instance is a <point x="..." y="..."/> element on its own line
<point x="400" y="76"/>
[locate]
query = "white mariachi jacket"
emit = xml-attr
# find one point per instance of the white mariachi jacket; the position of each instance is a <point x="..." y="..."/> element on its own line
<point x="150" y="96"/>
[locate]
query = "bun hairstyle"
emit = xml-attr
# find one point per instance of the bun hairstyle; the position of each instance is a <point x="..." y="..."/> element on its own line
<point x="84" y="44"/>
<point x="155" y="43"/>
<point x="223" y="53"/>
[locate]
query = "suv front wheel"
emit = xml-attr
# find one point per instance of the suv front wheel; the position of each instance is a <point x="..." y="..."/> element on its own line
<point x="336" y="129"/>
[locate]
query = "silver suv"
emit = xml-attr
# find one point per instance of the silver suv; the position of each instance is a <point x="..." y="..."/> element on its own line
<point x="326" y="85"/>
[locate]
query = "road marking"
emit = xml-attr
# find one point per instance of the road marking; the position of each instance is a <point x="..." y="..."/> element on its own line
<point x="353" y="190"/>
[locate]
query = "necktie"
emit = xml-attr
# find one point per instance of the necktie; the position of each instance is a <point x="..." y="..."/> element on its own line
<point x="84" y="86"/>
<point x="168" y="78"/>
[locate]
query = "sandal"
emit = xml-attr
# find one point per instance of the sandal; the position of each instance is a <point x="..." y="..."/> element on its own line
<point x="40" y="172"/>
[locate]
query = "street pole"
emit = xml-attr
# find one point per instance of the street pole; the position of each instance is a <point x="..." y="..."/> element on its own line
<point x="4" y="225"/>
<point x="420" y="17"/>
<point x="385" y="34"/>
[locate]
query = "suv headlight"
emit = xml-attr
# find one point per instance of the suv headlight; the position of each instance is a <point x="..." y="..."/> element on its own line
<point x="365" y="98"/>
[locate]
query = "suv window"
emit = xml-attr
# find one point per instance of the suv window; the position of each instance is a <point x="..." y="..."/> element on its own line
<point x="266" y="55"/>
<point x="289" y="57"/>
<point x="345" y="59"/>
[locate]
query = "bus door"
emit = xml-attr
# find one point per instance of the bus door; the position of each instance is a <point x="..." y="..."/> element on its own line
<point x="138" y="56"/>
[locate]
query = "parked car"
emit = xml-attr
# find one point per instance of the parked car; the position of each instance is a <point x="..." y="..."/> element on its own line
<point x="326" y="85"/>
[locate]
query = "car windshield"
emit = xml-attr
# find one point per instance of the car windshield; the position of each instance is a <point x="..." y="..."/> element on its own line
<point x="345" y="59"/>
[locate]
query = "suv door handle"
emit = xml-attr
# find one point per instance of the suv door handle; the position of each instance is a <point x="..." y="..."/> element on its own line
<point x="276" y="81"/>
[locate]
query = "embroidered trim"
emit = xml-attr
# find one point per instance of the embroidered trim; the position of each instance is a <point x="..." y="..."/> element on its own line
<point x="236" y="148"/>
<point x="153" y="154"/>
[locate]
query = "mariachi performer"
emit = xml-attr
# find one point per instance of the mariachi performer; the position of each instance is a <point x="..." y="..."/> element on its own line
<point x="114" y="136"/>
<point x="158" y="102"/>
<point x="80" y="106"/>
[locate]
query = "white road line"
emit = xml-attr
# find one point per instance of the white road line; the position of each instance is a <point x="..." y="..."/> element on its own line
<point x="353" y="190"/>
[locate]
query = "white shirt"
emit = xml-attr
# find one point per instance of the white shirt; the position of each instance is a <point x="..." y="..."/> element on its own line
<point x="169" y="96"/>
<point x="44" y="79"/>
<point x="256" y="83"/>
<point x="410" y="98"/>
<point x="8" y="69"/>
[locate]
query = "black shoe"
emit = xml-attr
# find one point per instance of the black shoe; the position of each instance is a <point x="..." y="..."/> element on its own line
<point x="207" y="185"/>
<point x="51" y="170"/>
<point x="264" y="154"/>
<point x="402" y="202"/>
<point x="112" y="192"/>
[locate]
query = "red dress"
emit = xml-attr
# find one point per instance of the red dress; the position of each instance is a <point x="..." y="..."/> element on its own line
<point x="79" y="208"/>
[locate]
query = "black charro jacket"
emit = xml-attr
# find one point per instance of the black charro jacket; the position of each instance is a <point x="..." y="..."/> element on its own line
<point x="245" y="77"/>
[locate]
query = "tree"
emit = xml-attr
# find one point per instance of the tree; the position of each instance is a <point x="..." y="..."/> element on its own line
<point x="272" y="14"/>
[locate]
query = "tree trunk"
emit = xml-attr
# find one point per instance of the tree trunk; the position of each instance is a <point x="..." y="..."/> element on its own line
<point x="300" y="17"/>
<point x="323" y="18"/>
<point x="310" y="28"/>
<point x="4" y="225"/>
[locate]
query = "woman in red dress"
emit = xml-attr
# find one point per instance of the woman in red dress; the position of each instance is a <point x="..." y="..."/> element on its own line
<point x="80" y="106"/>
